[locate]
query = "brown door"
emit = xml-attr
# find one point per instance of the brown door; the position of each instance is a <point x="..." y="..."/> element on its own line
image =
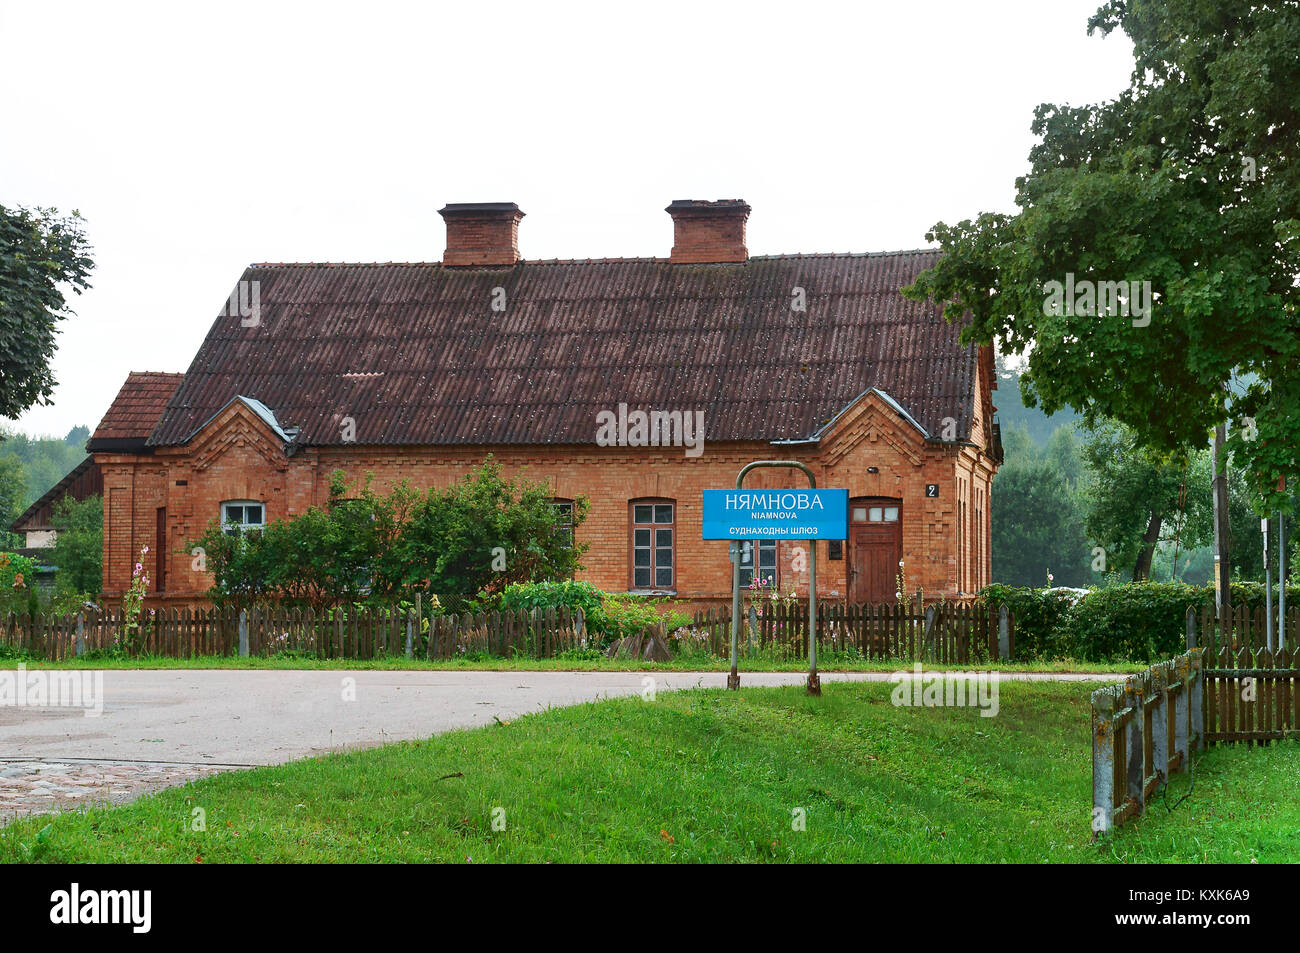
<point x="160" y="551"/>
<point x="875" y="547"/>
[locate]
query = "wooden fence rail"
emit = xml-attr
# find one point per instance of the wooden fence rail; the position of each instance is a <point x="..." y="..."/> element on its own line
<point x="1252" y="696"/>
<point x="368" y="633"/>
<point x="952" y="634"/>
<point x="1144" y="729"/>
<point x="1242" y="629"/>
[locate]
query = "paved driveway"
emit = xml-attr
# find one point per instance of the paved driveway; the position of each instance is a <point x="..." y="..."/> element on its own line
<point x="161" y="727"/>
<point x="266" y="717"/>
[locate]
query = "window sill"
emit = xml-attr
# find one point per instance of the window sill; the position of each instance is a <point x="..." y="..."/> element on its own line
<point x="652" y="592"/>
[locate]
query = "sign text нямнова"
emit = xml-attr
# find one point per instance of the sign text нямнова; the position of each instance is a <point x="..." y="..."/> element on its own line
<point x="775" y="514"/>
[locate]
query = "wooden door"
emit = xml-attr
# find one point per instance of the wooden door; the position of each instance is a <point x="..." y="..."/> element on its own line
<point x="875" y="547"/>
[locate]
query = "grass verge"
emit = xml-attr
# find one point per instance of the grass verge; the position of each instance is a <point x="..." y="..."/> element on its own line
<point x="703" y="776"/>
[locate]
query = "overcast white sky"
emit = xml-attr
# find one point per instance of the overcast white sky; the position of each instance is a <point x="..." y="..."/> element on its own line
<point x="197" y="139"/>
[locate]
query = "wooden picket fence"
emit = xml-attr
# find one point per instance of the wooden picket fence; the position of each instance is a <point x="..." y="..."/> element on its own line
<point x="1144" y="729"/>
<point x="366" y="633"/>
<point x="1252" y="696"/>
<point x="1242" y="629"/>
<point x="947" y="634"/>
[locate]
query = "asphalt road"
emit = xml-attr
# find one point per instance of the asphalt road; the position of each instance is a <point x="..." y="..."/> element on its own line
<point x="237" y="718"/>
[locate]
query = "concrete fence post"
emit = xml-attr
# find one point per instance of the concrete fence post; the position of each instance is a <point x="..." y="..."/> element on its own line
<point x="243" y="633"/>
<point x="1191" y="628"/>
<point x="1004" y="633"/>
<point x="1196" y="700"/>
<point x="1103" y="760"/>
<point x="929" y="633"/>
<point x="81" y="634"/>
<point x="1159" y="724"/>
<point x="1182" y="708"/>
<point x="580" y="627"/>
<point x="1135" y="732"/>
<point x="753" y="627"/>
<point x="410" y="633"/>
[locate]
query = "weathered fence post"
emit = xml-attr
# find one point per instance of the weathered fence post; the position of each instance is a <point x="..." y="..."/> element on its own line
<point x="1004" y="633"/>
<point x="580" y="628"/>
<point x="753" y="628"/>
<point x="243" y="633"/>
<point x="1159" y="725"/>
<point x="1196" y="700"/>
<point x="1191" y="628"/>
<point x="1182" y="674"/>
<point x="81" y="634"/>
<point x="1103" y="760"/>
<point x="927" y="638"/>
<point x="410" y="633"/>
<point x="1134" y="744"/>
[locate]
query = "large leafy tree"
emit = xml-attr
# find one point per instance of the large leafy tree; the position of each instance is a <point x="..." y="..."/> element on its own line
<point x="42" y="255"/>
<point x="1186" y="180"/>
<point x="13" y="491"/>
<point x="79" y="544"/>
<point x="1037" y="525"/>
<point x="1135" y="500"/>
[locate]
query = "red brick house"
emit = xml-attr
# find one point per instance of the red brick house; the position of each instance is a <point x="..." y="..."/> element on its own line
<point x="418" y="371"/>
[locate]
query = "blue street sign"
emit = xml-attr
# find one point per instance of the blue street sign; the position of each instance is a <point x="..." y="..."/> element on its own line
<point x="776" y="514"/>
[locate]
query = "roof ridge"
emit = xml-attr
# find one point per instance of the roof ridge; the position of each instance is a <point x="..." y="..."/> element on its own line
<point x="788" y="256"/>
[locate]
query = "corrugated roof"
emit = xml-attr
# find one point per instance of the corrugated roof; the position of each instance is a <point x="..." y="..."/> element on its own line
<point x="135" y="411"/>
<point x="415" y="354"/>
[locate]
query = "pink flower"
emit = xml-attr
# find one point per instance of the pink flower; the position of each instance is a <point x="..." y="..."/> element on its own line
<point x="145" y="550"/>
<point x="138" y="569"/>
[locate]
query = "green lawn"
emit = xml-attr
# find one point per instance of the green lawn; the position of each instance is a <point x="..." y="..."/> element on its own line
<point x="705" y="776"/>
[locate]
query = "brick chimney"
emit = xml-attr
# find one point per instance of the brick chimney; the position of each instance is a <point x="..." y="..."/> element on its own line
<point x="481" y="233"/>
<point x="708" y="231"/>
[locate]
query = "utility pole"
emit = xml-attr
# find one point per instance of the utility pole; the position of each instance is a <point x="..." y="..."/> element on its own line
<point x="1268" y="585"/>
<point x="1281" y="571"/>
<point x="1222" y="566"/>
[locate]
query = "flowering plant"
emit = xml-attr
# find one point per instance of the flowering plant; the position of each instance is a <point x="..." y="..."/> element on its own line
<point x="133" y="602"/>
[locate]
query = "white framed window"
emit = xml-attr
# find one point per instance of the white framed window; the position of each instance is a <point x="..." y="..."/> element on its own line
<point x="766" y="562"/>
<point x="241" y="516"/>
<point x="563" y="520"/>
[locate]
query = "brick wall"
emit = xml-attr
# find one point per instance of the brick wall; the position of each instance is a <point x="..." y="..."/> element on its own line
<point x="238" y="457"/>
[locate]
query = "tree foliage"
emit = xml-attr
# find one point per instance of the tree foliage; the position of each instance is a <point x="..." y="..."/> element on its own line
<point x="1135" y="499"/>
<point x="42" y="254"/>
<point x="1186" y="180"/>
<point x="79" y="545"/>
<point x="470" y="539"/>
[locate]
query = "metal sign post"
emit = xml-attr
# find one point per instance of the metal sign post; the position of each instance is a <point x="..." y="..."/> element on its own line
<point x="814" y="681"/>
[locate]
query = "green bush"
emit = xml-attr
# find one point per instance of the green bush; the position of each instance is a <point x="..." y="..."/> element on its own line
<point x="1038" y="614"/>
<point x="550" y="595"/>
<point x="608" y="616"/>
<point x="18" y="584"/>
<point x="1137" y="622"/>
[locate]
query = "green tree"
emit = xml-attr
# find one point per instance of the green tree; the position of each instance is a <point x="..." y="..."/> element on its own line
<point x="1136" y="498"/>
<point x="45" y="460"/>
<point x="483" y="533"/>
<point x="79" y="544"/>
<point x="474" y="537"/>
<point x="1037" y="526"/>
<point x="1186" y="180"/>
<point x="13" y="492"/>
<point x="42" y="254"/>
